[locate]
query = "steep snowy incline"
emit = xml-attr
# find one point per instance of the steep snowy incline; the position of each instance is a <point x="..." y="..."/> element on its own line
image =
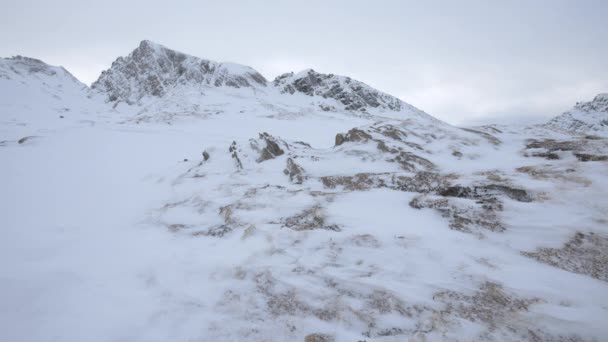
<point x="151" y="70"/>
<point x="585" y="118"/>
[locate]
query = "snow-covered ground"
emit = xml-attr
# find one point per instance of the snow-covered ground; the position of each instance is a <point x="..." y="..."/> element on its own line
<point x="256" y="214"/>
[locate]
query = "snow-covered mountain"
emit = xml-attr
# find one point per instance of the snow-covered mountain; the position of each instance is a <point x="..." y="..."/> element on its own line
<point x="38" y="96"/>
<point x="194" y="200"/>
<point x="159" y="80"/>
<point x="30" y="85"/>
<point x="585" y="118"/>
<point x="152" y="70"/>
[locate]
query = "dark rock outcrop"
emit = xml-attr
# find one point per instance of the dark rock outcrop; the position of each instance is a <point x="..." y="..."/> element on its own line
<point x="474" y="217"/>
<point x="485" y="192"/>
<point x="233" y="149"/>
<point x="353" y="135"/>
<point x="294" y="171"/>
<point x="271" y="150"/>
<point x="423" y="182"/>
<point x="584" y="157"/>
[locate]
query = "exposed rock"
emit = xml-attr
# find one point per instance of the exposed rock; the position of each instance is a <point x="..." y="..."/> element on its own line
<point x="584" y="253"/>
<point x="226" y="212"/>
<point x="554" y="145"/>
<point x="271" y="150"/>
<point x="339" y="139"/>
<point x="217" y="231"/>
<point x="490" y="305"/>
<point x="353" y="135"/>
<point x="421" y="182"/>
<point x="302" y="143"/>
<point x="319" y="338"/>
<point x="470" y="217"/>
<point x="327" y="108"/>
<point x="294" y="171"/>
<point x="584" y="149"/>
<point x="392" y="132"/>
<point x="551" y="172"/>
<point x="584" y="157"/>
<point x="546" y="155"/>
<point x="233" y="149"/>
<point x="310" y="219"/>
<point x="23" y="140"/>
<point x="205" y="155"/>
<point x="410" y="161"/>
<point x="484" y="192"/>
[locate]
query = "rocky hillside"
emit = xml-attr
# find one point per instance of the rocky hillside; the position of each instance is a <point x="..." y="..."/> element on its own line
<point x="352" y="94"/>
<point x="585" y="118"/>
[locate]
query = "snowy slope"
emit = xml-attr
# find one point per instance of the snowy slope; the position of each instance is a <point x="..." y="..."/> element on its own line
<point x="585" y="118"/>
<point x="35" y="96"/>
<point x="30" y="85"/>
<point x="313" y="208"/>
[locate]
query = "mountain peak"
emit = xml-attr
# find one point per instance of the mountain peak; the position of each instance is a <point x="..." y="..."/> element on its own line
<point x="149" y="44"/>
<point x="151" y="70"/>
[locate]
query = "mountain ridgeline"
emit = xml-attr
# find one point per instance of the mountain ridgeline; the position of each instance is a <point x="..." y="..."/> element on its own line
<point x="153" y="70"/>
<point x="161" y="80"/>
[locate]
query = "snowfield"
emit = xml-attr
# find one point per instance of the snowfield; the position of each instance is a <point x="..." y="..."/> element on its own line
<point x="181" y="199"/>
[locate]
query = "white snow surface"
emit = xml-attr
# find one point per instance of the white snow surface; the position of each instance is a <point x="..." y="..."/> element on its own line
<point x="115" y="227"/>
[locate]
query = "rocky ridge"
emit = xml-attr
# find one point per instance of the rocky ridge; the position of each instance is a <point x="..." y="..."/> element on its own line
<point x="586" y="118"/>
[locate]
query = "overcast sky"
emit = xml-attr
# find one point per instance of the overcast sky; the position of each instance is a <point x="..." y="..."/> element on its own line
<point x="465" y="62"/>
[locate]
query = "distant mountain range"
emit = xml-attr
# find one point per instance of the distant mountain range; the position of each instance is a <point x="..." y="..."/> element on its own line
<point x="154" y="78"/>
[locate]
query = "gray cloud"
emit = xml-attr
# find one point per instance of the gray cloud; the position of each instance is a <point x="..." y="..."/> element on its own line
<point x="464" y="62"/>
